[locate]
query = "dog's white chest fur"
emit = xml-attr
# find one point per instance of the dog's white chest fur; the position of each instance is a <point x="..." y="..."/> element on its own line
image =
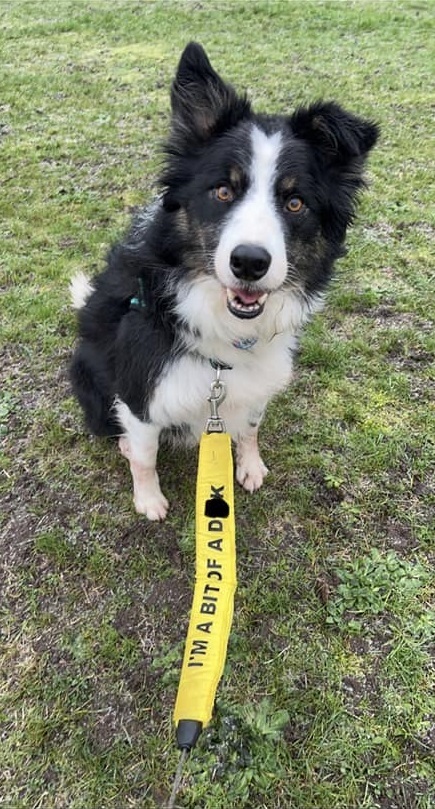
<point x="181" y="395"/>
<point x="257" y="373"/>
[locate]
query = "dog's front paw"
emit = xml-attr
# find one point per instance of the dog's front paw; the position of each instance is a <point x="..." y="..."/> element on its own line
<point x="250" y="473"/>
<point x="155" y="507"/>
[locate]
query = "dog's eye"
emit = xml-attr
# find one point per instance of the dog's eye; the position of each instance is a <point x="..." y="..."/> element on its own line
<point x="223" y="193"/>
<point x="294" y="205"/>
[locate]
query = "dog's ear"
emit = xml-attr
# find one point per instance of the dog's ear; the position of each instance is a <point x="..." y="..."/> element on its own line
<point x="202" y="103"/>
<point x="340" y="142"/>
<point x="338" y="137"/>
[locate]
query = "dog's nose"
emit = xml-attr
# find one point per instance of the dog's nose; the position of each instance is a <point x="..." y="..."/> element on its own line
<point x="250" y="262"/>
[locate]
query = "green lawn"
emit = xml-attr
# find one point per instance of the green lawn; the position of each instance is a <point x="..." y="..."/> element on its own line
<point x="328" y="698"/>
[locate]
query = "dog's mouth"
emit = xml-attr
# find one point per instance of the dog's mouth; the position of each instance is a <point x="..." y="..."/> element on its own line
<point x="245" y="304"/>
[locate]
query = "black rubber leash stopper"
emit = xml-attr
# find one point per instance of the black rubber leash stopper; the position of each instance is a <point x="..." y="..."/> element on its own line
<point x="188" y="731"/>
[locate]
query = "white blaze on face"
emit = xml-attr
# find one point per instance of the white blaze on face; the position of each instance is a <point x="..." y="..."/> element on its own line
<point x="255" y="219"/>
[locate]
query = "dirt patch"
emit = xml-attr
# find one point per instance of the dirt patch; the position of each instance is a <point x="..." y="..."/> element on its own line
<point x="168" y="602"/>
<point x="361" y="693"/>
<point x="113" y="717"/>
<point x="325" y="495"/>
<point x="396" y="794"/>
<point x="400" y="537"/>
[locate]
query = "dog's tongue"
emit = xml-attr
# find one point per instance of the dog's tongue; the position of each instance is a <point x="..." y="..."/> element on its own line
<point x="247" y="297"/>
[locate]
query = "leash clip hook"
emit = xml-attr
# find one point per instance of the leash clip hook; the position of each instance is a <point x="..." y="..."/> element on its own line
<point x="217" y="395"/>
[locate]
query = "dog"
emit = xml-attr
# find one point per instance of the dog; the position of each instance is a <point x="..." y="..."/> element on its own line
<point x="222" y="271"/>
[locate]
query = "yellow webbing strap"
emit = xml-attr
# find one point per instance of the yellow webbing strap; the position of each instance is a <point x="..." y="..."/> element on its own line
<point x="215" y="584"/>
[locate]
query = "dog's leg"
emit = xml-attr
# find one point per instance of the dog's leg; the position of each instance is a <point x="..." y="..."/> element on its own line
<point x="250" y="469"/>
<point x="139" y="444"/>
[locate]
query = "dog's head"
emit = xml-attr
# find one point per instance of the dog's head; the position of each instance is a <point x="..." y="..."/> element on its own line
<point x="263" y="201"/>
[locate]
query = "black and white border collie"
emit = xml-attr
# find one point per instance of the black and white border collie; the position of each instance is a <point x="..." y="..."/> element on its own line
<point x="225" y="268"/>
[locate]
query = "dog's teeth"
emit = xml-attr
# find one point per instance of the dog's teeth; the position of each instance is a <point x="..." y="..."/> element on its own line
<point x="233" y="297"/>
<point x="243" y="306"/>
<point x="245" y="303"/>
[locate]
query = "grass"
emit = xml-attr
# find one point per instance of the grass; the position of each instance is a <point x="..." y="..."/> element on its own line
<point x="328" y="696"/>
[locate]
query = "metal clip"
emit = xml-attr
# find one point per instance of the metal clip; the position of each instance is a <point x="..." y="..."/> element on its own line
<point x="217" y="395"/>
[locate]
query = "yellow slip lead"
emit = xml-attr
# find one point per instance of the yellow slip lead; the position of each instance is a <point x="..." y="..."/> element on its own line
<point x="215" y="585"/>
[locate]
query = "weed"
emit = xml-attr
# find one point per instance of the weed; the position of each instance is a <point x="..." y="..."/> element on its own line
<point x="239" y="755"/>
